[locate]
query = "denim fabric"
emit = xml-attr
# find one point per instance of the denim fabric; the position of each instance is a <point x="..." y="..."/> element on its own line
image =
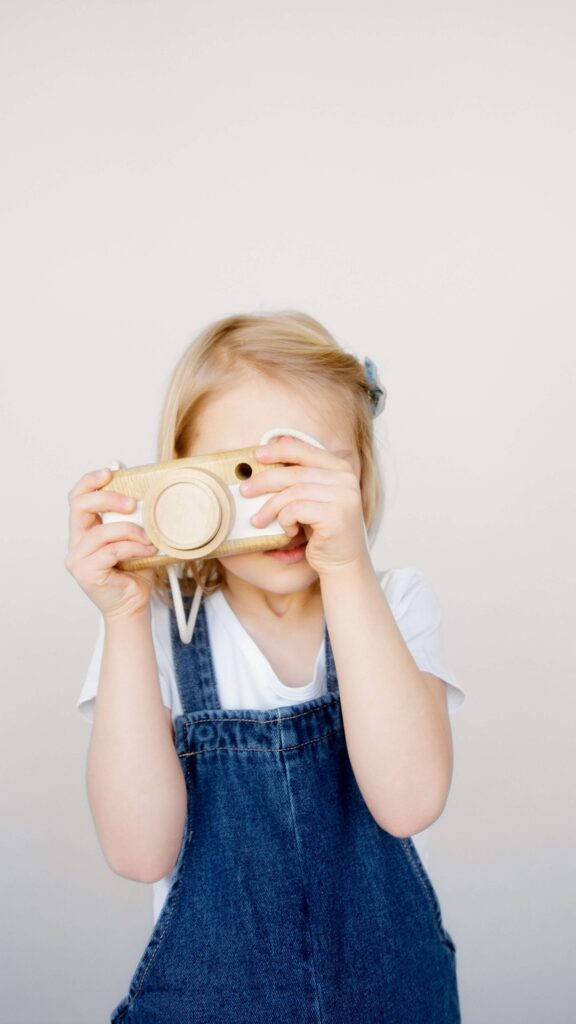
<point x="289" y="904"/>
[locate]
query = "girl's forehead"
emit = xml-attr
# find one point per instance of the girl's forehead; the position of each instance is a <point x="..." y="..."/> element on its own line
<point x="238" y="416"/>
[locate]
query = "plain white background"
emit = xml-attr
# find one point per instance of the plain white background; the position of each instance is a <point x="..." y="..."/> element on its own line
<point x="405" y="173"/>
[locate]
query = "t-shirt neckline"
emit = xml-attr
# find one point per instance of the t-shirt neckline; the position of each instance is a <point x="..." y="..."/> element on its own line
<point x="220" y="605"/>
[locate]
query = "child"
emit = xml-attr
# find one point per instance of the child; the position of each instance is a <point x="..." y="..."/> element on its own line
<point x="267" y="777"/>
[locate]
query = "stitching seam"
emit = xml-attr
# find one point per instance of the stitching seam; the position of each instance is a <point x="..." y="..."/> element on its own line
<point x="259" y="721"/>
<point x="271" y="750"/>
<point x="426" y="884"/>
<point x="286" y="773"/>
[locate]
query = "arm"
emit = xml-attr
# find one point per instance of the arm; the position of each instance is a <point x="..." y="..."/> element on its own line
<point x="135" y="782"/>
<point x="395" y="716"/>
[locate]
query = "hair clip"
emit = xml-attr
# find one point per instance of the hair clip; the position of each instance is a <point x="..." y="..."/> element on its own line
<point x="375" y="387"/>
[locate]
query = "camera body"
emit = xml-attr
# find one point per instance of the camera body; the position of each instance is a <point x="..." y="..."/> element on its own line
<point x="192" y="507"/>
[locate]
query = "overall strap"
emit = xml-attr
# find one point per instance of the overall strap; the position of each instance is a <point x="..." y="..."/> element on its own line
<point x="193" y="665"/>
<point x="331" y="677"/>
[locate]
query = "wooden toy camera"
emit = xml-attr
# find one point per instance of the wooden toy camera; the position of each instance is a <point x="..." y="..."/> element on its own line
<point x="192" y="507"/>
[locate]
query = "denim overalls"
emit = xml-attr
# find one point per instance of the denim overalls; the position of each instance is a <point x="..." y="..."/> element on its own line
<point x="289" y="904"/>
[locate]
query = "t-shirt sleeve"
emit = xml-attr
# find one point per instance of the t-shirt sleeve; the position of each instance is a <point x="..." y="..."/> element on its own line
<point x="418" y="615"/>
<point x="88" y="693"/>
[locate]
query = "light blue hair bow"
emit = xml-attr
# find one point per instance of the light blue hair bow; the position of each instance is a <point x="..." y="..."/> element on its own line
<point x="375" y="387"/>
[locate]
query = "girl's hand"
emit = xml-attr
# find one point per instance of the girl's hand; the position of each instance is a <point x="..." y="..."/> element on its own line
<point x="321" y="492"/>
<point x="94" y="548"/>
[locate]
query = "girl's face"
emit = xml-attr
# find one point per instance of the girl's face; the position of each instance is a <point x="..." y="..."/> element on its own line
<point x="237" y="419"/>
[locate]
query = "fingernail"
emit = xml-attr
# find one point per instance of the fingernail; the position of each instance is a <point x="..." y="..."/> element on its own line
<point x="127" y="502"/>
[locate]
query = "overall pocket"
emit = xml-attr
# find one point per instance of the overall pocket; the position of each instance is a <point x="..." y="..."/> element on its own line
<point x="423" y="879"/>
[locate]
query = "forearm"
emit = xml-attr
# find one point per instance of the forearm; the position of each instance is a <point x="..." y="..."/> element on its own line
<point x="135" y="782"/>
<point x="398" y="738"/>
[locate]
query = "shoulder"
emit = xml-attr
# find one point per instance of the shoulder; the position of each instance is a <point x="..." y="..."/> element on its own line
<point x="418" y="614"/>
<point x="412" y="600"/>
<point x="400" y="585"/>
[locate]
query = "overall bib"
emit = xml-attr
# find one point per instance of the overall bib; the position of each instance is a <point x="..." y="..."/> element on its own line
<point x="289" y="904"/>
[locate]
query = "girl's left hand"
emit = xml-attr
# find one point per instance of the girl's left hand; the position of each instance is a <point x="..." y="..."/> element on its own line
<point x="321" y="492"/>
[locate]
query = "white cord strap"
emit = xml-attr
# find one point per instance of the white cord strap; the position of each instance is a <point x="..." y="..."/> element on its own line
<point x="185" y="626"/>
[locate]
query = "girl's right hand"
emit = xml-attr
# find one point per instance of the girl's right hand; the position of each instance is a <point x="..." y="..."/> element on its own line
<point x="95" y="547"/>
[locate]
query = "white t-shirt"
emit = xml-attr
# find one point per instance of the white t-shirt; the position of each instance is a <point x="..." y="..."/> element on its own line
<point x="245" y="678"/>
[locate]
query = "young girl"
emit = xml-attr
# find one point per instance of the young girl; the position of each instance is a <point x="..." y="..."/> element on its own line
<point x="267" y="776"/>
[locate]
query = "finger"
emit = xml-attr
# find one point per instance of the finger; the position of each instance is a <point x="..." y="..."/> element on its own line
<point x="90" y="481"/>
<point x="293" y="449"/>
<point x="285" y="476"/>
<point x="108" y="533"/>
<point x="272" y="508"/>
<point x="110" y="554"/>
<point x="102" y="501"/>
<point x="85" y="508"/>
<point x="306" y="514"/>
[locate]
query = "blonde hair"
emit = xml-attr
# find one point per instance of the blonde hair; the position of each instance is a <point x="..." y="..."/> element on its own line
<point x="287" y="346"/>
